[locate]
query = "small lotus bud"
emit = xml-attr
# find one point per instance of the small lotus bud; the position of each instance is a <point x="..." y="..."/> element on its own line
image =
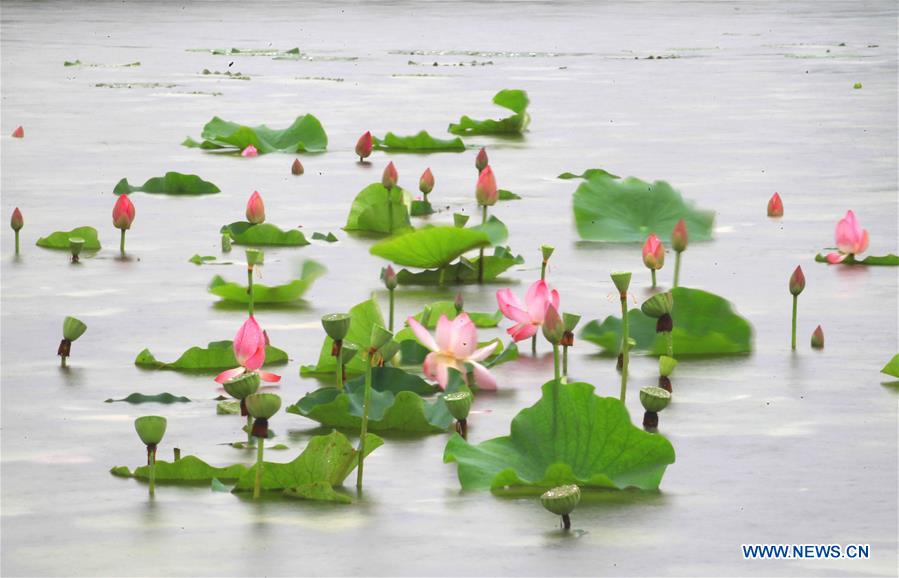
<point x="390" y="176"/>
<point x="255" y="257"/>
<point x="379" y="337"/>
<point x="255" y="209"/>
<point x="797" y="281"/>
<point x="75" y="246"/>
<point x="553" y="329"/>
<point x="547" y="252"/>
<point x="485" y="191"/>
<point x="666" y="365"/>
<point x="263" y="405"/>
<point x="481" y="161"/>
<point x="818" y="338"/>
<point x="16" y="222"/>
<point x="150" y="429"/>
<point x="459" y="303"/>
<point x="297" y="167"/>
<point x="775" y="206"/>
<point x="561" y="501"/>
<point x="226" y="243"/>
<point x="363" y="146"/>
<point x="460" y="220"/>
<point x="426" y="182"/>
<point x="459" y="404"/>
<point x="388" y="276"/>
<point x="679" y="236"/>
<point x="653" y="252"/>
<point x="250" y="151"/>
<point x="622" y="280"/>
<point x="654" y="399"/>
<point x="73" y="328"/>
<point x="658" y="305"/>
<point x="19" y="132"/>
<point x="123" y="213"/>
<point x="243" y="386"/>
<point x="336" y="325"/>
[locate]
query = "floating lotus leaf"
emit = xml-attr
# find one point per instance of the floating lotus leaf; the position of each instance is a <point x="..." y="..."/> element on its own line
<point x="588" y="174"/>
<point x="187" y="469"/>
<point x="515" y="100"/>
<point x="505" y="195"/>
<point x="158" y="398"/>
<point x="892" y="367"/>
<point x="363" y="317"/>
<point x="371" y="211"/>
<point x="329" y="238"/>
<point x="263" y="234"/>
<point x="570" y="436"/>
<point x="704" y="324"/>
<point x="60" y="239"/>
<point x="448" y="308"/>
<point x="464" y="271"/>
<point x="620" y="211"/>
<point x="217" y="356"/>
<point x="890" y="260"/>
<point x="171" y="184"/>
<point x="305" y="134"/>
<point x="419" y="143"/>
<point x="262" y="294"/>
<point x="431" y="247"/>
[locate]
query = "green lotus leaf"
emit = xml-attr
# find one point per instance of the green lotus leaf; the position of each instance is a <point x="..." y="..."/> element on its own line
<point x="60" y="239"/>
<point x="198" y="259"/>
<point x="419" y="143"/>
<point x="227" y="407"/>
<point x="448" y="308"/>
<point x="158" y="398"/>
<point x="318" y="491"/>
<point x="363" y="317"/>
<point x="304" y="135"/>
<point x="621" y="211"/>
<point x="890" y="260"/>
<point x="495" y="229"/>
<point x="217" y="356"/>
<point x="329" y="238"/>
<point x="263" y="234"/>
<point x="570" y="436"/>
<point x="396" y="404"/>
<point x="588" y="174"/>
<point x="505" y="195"/>
<point x="371" y="211"/>
<point x="187" y="469"/>
<point x="431" y="247"/>
<point x="892" y="367"/>
<point x="262" y="294"/>
<point x="515" y="100"/>
<point x="704" y="324"/>
<point x="327" y="459"/>
<point x="464" y="271"/>
<point x="421" y="209"/>
<point x="171" y="184"/>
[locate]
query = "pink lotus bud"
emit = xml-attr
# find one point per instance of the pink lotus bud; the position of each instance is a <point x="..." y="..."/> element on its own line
<point x="390" y="176"/>
<point x="679" y="236"/>
<point x="297" y="167"/>
<point x="250" y="151"/>
<point x="255" y="209"/>
<point x="553" y="328"/>
<point x="850" y="237"/>
<point x="426" y="182"/>
<point x="18" y="133"/>
<point x="123" y="213"/>
<point x="818" y="338"/>
<point x="481" y="161"/>
<point x="486" y="191"/>
<point x="388" y="275"/>
<point x="775" y="206"/>
<point x="16" y="222"/>
<point x="653" y="252"/>
<point x="797" y="281"/>
<point x="459" y="303"/>
<point x="363" y="146"/>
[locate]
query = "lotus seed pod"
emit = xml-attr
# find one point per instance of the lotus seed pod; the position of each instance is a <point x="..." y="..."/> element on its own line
<point x="380" y="337"/>
<point x="150" y="428"/>
<point x="622" y="280"/>
<point x="561" y="501"/>
<point x="336" y="325"/>
<point x="255" y="257"/>
<point x="226" y="243"/>
<point x="242" y="386"/>
<point x="73" y="328"/>
<point x="666" y="365"/>
<point x="347" y="352"/>
<point x="459" y="404"/>
<point x="263" y="405"/>
<point x="389" y="350"/>
<point x="460" y="220"/>
<point x="654" y="399"/>
<point x="570" y="321"/>
<point x="547" y="252"/>
<point x="658" y="305"/>
<point x="75" y="245"/>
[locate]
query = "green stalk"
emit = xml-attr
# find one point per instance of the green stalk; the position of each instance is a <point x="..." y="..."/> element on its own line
<point x="677" y="267"/>
<point x="63" y="362"/>
<point x="249" y="431"/>
<point x="795" y="304"/>
<point x="441" y="276"/>
<point x="390" y="319"/>
<point x="624" y="344"/>
<point x="556" y="373"/>
<point x="122" y="243"/>
<point x="250" y="287"/>
<point x="152" y="472"/>
<point x="364" y="432"/>
<point x="17" y="242"/>
<point x="339" y="346"/>
<point x="534" y="345"/>
<point x="481" y="251"/>
<point x="260" y="448"/>
<point x="653" y="278"/>
<point x="555" y="388"/>
<point x="669" y="336"/>
<point x="543" y="271"/>
<point x="565" y="362"/>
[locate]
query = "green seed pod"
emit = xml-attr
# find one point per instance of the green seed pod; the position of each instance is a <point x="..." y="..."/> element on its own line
<point x="72" y="328"/>
<point x="226" y="243"/>
<point x="460" y="220"/>
<point x="658" y="305"/>
<point x="547" y="252"/>
<point x="666" y="365"/>
<point x="570" y="321"/>
<point x="654" y="398"/>
<point x="459" y="403"/>
<point x="380" y="337"/>
<point x="243" y="386"/>
<point x="150" y="428"/>
<point x="347" y="352"/>
<point x="561" y="501"/>
<point x="263" y="405"/>
<point x="622" y="280"/>
<point x="255" y="257"/>
<point x="336" y="325"/>
<point x="389" y="350"/>
<point x="75" y="245"/>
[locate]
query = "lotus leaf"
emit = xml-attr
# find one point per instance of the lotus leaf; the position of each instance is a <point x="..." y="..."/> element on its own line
<point x="371" y="211"/>
<point x="171" y="184"/>
<point x="419" y="143"/>
<point x="217" y="356"/>
<point x="263" y="234"/>
<point x="269" y="294"/>
<point x="304" y="135"/>
<point x="60" y="239"/>
<point x="431" y="247"/>
<point x="515" y="100"/>
<point x="363" y="317"/>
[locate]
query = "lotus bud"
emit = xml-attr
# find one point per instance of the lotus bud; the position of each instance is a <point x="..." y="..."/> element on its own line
<point x="679" y="236"/>
<point x="654" y="400"/>
<point x="72" y="328"/>
<point x="486" y="191"/>
<point x="481" y="161"/>
<point x="460" y="220"/>
<point x="16" y="222"/>
<point x="262" y="406"/>
<point x="255" y="209"/>
<point x="388" y="275"/>
<point x="561" y="501"/>
<point x="775" y="206"/>
<point x="123" y="213"/>
<point x="797" y="281"/>
<point x="553" y="329"/>
<point x="19" y="132"/>
<point x="426" y="182"/>
<point x="622" y="280"/>
<point x="653" y="252"/>
<point x="255" y="257"/>
<point x="818" y="338"/>
<point x="547" y="252"/>
<point x="336" y="325"/>
<point x="347" y="352"/>
<point x="75" y="246"/>
<point x="249" y="152"/>
<point x="150" y="429"/>
<point x="226" y="243"/>
<point x="390" y="176"/>
<point x="459" y="303"/>
<point x="459" y="404"/>
<point x="297" y="167"/>
<point x="379" y="337"/>
<point x="666" y="365"/>
<point x="363" y="146"/>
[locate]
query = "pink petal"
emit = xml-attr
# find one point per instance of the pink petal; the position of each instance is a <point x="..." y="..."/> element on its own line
<point x="505" y="298"/>
<point x="482" y="377"/>
<point x="269" y="377"/>
<point x="465" y="337"/>
<point x="256" y="360"/>
<point x="247" y="340"/>
<point x="537" y="288"/>
<point x="834" y="258"/>
<point x="555" y="299"/>
<point x="522" y="331"/>
<point x="863" y="245"/>
<point x="444" y="334"/>
<point x="483" y="353"/>
<point x="423" y="335"/>
<point x="229" y="374"/>
<point x="537" y="308"/>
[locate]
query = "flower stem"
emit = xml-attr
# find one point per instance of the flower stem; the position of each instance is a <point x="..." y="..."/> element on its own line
<point x="122" y="243"/>
<point x="390" y="319"/>
<point x="556" y="373"/>
<point x="249" y="432"/>
<point x="260" y="448"/>
<point x="565" y="361"/>
<point x="543" y="271"/>
<point x="795" y="304"/>
<point x="624" y="344"/>
<point x="669" y="336"/>
<point x="337" y="347"/>
<point x="481" y="251"/>
<point x="566" y="522"/>
<point x="250" y="287"/>
<point x="364" y="432"/>
<point x="534" y="345"/>
<point x="677" y="267"/>
<point x="653" y="271"/>
<point x="441" y="276"/>
<point x="17" y="242"/>
<point x="62" y="362"/>
<point x="152" y="471"/>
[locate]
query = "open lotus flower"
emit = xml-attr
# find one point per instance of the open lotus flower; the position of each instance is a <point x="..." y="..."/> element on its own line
<point x="851" y="239"/>
<point x="255" y="209"/>
<point x="123" y="213"/>
<point x="249" y="349"/>
<point x="486" y="191"/>
<point x="250" y="151"/>
<point x="455" y="346"/>
<point x="531" y="316"/>
<point x="363" y="146"/>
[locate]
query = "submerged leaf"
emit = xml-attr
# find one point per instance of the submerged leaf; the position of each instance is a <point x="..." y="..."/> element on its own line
<point x="263" y="234"/>
<point x="305" y="134"/>
<point x="158" y="398"/>
<point x="171" y="184"/>
<point x="570" y="436"/>
<point x="60" y="239"/>
<point x="588" y="174"/>
<point x="217" y="356"/>
<point x="363" y="317"/>
<point x="890" y="260"/>
<point x="262" y="294"/>
<point x="431" y="247"/>
<point x="419" y="143"/>
<point x="515" y="100"/>
<point x="371" y="210"/>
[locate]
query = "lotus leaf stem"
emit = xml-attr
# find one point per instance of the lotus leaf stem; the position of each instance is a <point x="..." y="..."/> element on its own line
<point x="669" y="336"/>
<point x="249" y="431"/>
<point x="624" y="343"/>
<point x="17" y="242"/>
<point x="566" y="521"/>
<point x="151" y="457"/>
<point x="122" y="243"/>
<point x="390" y="318"/>
<point x="441" y="276"/>
<point x="565" y="361"/>
<point x="260" y="448"/>
<point x="556" y="373"/>
<point x="653" y="271"/>
<point x="338" y="346"/>
<point x="481" y="251"/>
<point x="250" y="286"/>
<point x="390" y="211"/>
<point x="365" y="403"/>
<point x="534" y="345"/>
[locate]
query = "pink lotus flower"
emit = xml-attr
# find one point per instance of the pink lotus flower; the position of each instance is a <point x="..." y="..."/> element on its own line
<point x="653" y="252"/>
<point x="249" y="349"/>
<point x="426" y="182"/>
<point x="390" y="176"/>
<point x="481" y="161"/>
<point x="255" y="209"/>
<point x="250" y="151"/>
<point x="18" y="133"/>
<point x="486" y="191"/>
<point x="530" y="317"/>
<point x="123" y="213"/>
<point x="775" y="206"/>
<point x="851" y="239"/>
<point x="455" y="346"/>
<point x="363" y="146"/>
<point x="16" y="221"/>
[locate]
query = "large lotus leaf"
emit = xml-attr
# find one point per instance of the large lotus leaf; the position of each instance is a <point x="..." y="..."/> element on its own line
<point x="515" y="100"/>
<point x="371" y="211"/>
<point x="892" y="367"/>
<point x="305" y="134"/>
<point x="328" y="459"/>
<point x="431" y="247"/>
<point x="619" y="211"/>
<point x="158" y="398"/>
<point x="890" y="260"/>
<point x="217" y="356"/>
<point x="263" y="234"/>
<point x="704" y="324"/>
<point x="269" y="294"/>
<point x="396" y="404"/>
<point x="588" y="174"/>
<point x="187" y="469"/>
<point x="570" y="436"/>
<point x="495" y="229"/>
<point x="448" y="308"/>
<point x="60" y="239"/>
<point x="171" y="184"/>
<point x="419" y="143"/>
<point x="464" y="271"/>
<point x="363" y="317"/>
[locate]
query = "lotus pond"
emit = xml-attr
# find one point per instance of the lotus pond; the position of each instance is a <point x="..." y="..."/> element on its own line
<point x="628" y="137"/>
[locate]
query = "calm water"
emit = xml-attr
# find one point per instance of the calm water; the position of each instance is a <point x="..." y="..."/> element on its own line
<point x="772" y="448"/>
